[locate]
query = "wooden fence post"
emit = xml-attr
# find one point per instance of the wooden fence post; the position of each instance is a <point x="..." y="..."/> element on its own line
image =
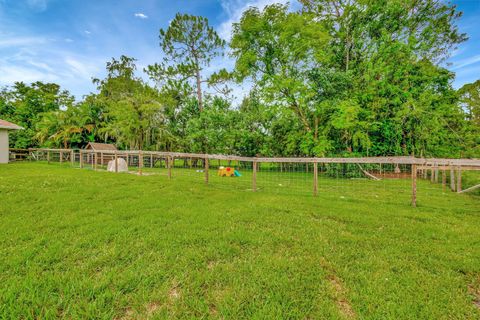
<point x="72" y="157"/>
<point x="452" y="178"/>
<point x="81" y="158"/>
<point x="140" y="162"/>
<point x="414" y="185"/>
<point x="207" y="165"/>
<point x="151" y="160"/>
<point x="116" y="161"/>
<point x="170" y="160"/>
<point x="459" y="179"/>
<point x="432" y="174"/>
<point x="436" y="173"/>
<point x="61" y="156"/>
<point x="444" y="180"/>
<point x="95" y="156"/>
<point x="315" y="179"/>
<point x="48" y="156"/>
<point x="101" y="159"/>
<point x="254" y="176"/>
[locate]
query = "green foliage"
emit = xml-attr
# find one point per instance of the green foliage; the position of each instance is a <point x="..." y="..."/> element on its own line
<point x="405" y="96"/>
<point x="277" y="49"/>
<point x="25" y="105"/>
<point x="353" y="83"/>
<point x="189" y="45"/>
<point x="134" y="110"/>
<point x="469" y="97"/>
<point x="470" y="101"/>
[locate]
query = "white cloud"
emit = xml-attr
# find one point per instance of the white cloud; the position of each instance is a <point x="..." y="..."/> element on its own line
<point x="79" y="68"/>
<point x="466" y="75"/>
<point x="40" y="5"/>
<point x="21" y="41"/>
<point x="465" y="62"/>
<point x="141" y="15"/>
<point x="457" y="52"/>
<point x="40" y="65"/>
<point x="14" y="73"/>
<point x="87" y="32"/>
<point x="68" y="40"/>
<point x="28" y="59"/>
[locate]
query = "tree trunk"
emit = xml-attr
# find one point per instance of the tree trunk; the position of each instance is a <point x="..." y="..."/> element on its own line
<point x="199" y="90"/>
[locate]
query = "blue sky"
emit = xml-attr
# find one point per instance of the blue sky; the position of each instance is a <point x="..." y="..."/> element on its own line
<point x="69" y="41"/>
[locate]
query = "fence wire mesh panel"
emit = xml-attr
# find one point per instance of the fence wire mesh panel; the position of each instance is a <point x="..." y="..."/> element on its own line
<point x="187" y="168"/>
<point x="392" y="180"/>
<point x="231" y="174"/>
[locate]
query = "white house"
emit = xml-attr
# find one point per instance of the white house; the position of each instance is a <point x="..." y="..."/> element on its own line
<point x="4" y="127"/>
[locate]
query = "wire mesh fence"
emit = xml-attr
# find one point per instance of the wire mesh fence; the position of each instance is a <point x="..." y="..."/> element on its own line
<point x="387" y="179"/>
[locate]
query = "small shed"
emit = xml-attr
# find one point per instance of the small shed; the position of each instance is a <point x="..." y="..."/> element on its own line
<point x="96" y="146"/>
<point x="5" y="126"/>
<point x="103" y="152"/>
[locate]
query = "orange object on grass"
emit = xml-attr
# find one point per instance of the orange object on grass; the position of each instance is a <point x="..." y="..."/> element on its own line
<point x="226" y="172"/>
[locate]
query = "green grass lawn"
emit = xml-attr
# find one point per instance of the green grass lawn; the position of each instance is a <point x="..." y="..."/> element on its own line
<point x="83" y="244"/>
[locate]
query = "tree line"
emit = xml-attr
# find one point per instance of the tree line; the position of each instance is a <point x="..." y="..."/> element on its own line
<point x="333" y="78"/>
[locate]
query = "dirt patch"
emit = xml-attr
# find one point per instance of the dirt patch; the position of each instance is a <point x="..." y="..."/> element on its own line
<point x="212" y="309"/>
<point x="211" y="265"/>
<point x="152" y="307"/>
<point x="147" y="313"/>
<point x="474" y="290"/>
<point x="128" y="314"/>
<point x="143" y="173"/>
<point x="343" y="304"/>
<point x="339" y="292"/>
<point x="174" y="292"/>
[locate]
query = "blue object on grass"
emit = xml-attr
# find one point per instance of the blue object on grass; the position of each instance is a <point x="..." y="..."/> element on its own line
<point x="237" y="174"/>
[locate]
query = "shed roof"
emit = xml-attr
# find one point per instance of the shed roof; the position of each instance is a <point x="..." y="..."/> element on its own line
<point x="101" y="146"/>
<point x="8" y="125"/>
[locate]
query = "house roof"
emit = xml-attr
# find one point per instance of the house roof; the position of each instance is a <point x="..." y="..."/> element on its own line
<point x="101" y="146"/>
<point x="8" y="125"/>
